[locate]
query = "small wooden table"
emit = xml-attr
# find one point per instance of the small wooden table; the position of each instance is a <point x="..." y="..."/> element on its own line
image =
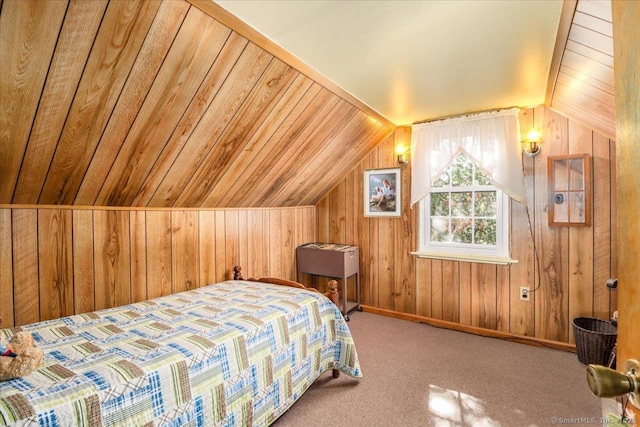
<point x="335" y="261"/>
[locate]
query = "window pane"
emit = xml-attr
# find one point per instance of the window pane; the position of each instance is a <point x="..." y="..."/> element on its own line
<point x="461" y="230"/>
<point x="461" y="174"/>
<point x="485" y="232"/>
<point x="576" y="174"/>
<point x="439" y="204"/>
<point x="461" y="204"/>
<point x="561" y="207"/>
<point x="440" y="230"/>
<point x="485" y="203"/>
<point x="561" y="175"/>
<point x="482" y="178"/>
<point x="464" y="221"/>
<point x="442" y="181"/>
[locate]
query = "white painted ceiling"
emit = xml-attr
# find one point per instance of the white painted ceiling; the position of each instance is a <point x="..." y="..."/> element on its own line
<point x="422" y="59"/>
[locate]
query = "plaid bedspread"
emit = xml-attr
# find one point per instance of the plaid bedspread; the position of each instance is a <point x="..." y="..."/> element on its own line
<point x="230" y="354"/>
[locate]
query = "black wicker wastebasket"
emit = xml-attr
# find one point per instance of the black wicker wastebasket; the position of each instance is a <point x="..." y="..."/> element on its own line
<point x="595" y="339"/>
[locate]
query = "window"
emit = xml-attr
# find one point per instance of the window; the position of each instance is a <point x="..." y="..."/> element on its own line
<point x="465" y="216"/>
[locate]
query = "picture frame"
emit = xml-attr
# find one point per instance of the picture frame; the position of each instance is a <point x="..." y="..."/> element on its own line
<point x="383" y="192"/>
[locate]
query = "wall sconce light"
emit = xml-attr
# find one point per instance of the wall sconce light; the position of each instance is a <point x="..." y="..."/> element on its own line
<point x="403" y="158"/>
<point x="532" y="142"/>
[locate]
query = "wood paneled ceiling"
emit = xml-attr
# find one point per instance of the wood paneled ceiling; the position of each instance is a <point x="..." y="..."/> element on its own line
<point x="585" y="88"/>
<point x="159" y="104"/>
<point x="177" y="103"/>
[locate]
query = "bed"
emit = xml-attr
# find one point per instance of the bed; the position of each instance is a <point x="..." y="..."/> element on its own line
<point x="236" y="353"/>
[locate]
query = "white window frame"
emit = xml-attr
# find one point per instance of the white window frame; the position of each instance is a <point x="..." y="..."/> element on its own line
<point x="494" y="254"/>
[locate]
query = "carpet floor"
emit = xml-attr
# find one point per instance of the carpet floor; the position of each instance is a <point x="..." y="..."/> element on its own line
<point x="420" y="375"/>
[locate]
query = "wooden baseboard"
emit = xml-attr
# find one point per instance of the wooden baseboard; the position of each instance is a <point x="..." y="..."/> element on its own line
<point x="472" y="329"/>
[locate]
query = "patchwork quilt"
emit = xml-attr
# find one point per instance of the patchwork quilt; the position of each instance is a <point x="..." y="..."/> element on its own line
<point x="236" y="353"/>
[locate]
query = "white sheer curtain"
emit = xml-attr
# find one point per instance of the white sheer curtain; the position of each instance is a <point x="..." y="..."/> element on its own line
<point x="491" y="140"/>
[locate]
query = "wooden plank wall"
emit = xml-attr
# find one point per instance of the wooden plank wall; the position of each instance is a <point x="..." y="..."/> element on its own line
<point x="571" y="266"/>
<point x="627" y="53"/>
<point x="143" y="103"/>
<point x="59" y="261"/>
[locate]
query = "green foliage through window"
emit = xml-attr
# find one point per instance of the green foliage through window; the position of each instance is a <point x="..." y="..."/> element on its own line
<point x="463" y="205"/>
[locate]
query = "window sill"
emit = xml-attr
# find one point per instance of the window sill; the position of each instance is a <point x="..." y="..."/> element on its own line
<point x="466" y="257"/>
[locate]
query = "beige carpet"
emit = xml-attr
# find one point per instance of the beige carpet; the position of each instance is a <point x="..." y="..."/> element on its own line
<point x="419" y="375"/>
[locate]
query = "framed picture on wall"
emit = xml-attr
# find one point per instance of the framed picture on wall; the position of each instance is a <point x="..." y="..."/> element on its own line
<point x="382" y="192"/>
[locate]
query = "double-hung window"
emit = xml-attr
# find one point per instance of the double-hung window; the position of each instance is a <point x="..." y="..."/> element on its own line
<point x="465" y="172"/>
<point x="464" y="216"/>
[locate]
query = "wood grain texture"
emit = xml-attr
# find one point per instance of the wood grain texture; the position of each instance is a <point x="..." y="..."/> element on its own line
<point x="525" y="272"/>
<point x="464" y="292"/>
<point x="585" y="87"/>
<point x="158" y="249"/>
<point x="275" y="241"/>
<point x="138" y="233"/>
<point x="81" y="24"/>
<point x="627" y="53"/>
<point x="165" y="104"/>
<point x="187" y="63"/>
<point x="268" y="89"/>
<point x="552" y="296"/>
<point x="603" y="208"/>
<point x="262" y="139"/>
<point x="83" y="263"/>
<point x="232" y="242"/>
<point x="423" y="287"/>
<point x="248" y="168"/>
<point x="26" y="290"/>
<point x="56" y="263"/>
<point x="63" y="261"/>
<point x="581" y="239"/>
<point x="255" y="36"/>
<point x="28" y="33"/>
<point x="220" y="253"/>
<point x="6" y="269"/>
<point x="117" y="44"/>
<point x="248" y="69"/>
<point x="406" y="301"/>
<point x="297" y="168"/>
<point x="112" y="258"/>
<point x="487" y="296"/>
<point x="207" y="248"/>
<point x="257" y="240"/>
<point x="436" y="288"/>
<point x="291" y="141"/>
<point x="184" y="251"/>
<point x="483" y="296"/>
<point x="450" y="291"/>
<point x="115" y="142"/>
<point x="386" y="230"/>
<point x="192" y="116"/>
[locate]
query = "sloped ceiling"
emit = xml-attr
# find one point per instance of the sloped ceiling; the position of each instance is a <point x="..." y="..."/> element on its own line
<point x="159" y="104"/>
<point x="585" y="88"/>
<point x="180" y="104"/>
<point x="422" y="60"/>
<point x="418" y="60"/>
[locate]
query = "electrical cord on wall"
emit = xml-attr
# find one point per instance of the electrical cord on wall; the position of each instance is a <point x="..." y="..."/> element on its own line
<point x="535" y="252"/>
<point x="533" y="239"/>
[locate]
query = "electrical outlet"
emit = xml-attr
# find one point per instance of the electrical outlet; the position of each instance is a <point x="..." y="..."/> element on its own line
<point x="524" y="293"/>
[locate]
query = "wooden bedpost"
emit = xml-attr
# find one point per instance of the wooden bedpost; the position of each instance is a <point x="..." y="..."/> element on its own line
<point x="237" y="273"/>
<point x="332" y="292"/>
